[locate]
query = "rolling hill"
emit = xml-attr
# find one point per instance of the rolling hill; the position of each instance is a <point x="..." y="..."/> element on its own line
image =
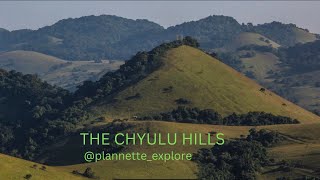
<point x="113" y="37"/>
<point x="206" y="82"/>
<point x="179" y="71"/>
<point x="249" y="38"/>
<point x="56" y="71"/>
<point x="28" y="62"/>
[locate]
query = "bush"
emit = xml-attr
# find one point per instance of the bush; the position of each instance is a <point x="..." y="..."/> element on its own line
<point x="89" y="173"/>
<point x="28" y="176"/>
<point x="182" y="101"/>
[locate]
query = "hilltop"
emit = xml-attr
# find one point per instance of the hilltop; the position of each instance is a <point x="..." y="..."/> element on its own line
<point x="113" y="37"/>
<point x="188" y="73"/>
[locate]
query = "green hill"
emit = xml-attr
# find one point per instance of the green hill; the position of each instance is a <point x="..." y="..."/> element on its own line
<point x="28" y="62"/>
<point x="54" y="70"/>
<point x="112" y="37"/>
<point x="249" y="38"/>
<point x="285" y="34"/>
<point x="204" y="81"/>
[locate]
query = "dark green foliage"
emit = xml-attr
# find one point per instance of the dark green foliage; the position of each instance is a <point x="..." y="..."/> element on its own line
<point x="211" y="32"/>
<point x="28" y="176"/>
<point x="238" y="159"/>
<point x="209" y="116"/>
<point x="87" y="38"/>
<point x="34" y="114"/>
<point x="257" y="119"/>
<point x="112" y="37"/>
<point x="188" y="115"/>
<point x="265" y="137"/>
<point x="231" y="59"/>
<point x="234" y="160"/>
<point x="283" y="34"/>
<point x="258" y="48"/>
<point x="302" y="57"/>
<point x="181" y="101"/>
<point x="140" y="65"/>
<point x="26" y="107"/>
<point x="250" y="74"/>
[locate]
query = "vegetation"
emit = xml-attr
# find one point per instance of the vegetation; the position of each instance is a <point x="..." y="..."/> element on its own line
<point x="258" y="48"/>
<point x="232" y="59"/>
<point x="34" y="113"/>
<point x="142" y="64"/>
<point x="112" y="37"/>
<point x="239" y="159"/>
<point x="284" y="34"/>
<point x="209" y="116"/>
<point x="302" y="57"/>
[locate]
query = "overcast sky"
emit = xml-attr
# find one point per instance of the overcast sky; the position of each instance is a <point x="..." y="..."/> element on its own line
<point x="33" y="15"/>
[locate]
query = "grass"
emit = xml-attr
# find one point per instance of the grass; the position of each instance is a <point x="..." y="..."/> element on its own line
<point x="260" y="65"/>
<point x="306" y="149"/>
<point x="206" y="82"/>
<point x="28" y="62"/>
<point x="155" y="169"/>
<point x="248" y="38"/>
<point x="13" y="168"/>
<point x="54" y="70"/>
<point x="304" y="36"/>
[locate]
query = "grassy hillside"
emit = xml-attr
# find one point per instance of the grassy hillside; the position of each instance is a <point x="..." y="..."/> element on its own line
<point x="260" y="64"/>
<point x="303" y="36"/>
<point x="248" y="38"/>
<point x="206" y="82"/>
<point x="72" y="74"/>
<point x="14" y="168"/>
<point x="28" y="62"/>
<point x="54" y="70"/>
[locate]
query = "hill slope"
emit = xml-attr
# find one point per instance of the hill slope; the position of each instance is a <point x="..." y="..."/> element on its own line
<point x="28" y="62"/>
<point x="249" y="38"/>
<point x="54" y="70"/>
<point x="191" y="74"/>
<point x="14" y="168"/>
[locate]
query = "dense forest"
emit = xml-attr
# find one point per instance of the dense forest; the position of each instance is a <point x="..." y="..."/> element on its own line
<point x="237" y="159"/>
<point x="302" y="57"/>
<point x="283" y="34"/>
<point x="34" y="113"/>
<point x="209" y="116"/>
<point x="112" y="37"/>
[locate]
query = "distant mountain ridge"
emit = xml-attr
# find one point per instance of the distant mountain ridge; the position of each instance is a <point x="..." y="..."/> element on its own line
<point x="113" y="37"/>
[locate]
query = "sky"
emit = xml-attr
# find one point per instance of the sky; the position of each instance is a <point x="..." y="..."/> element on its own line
<point x="34" y="14"/>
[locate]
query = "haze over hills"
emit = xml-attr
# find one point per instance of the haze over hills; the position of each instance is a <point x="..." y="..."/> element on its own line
<point x="112" y="37"/>
<point x="56" y="71"/>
